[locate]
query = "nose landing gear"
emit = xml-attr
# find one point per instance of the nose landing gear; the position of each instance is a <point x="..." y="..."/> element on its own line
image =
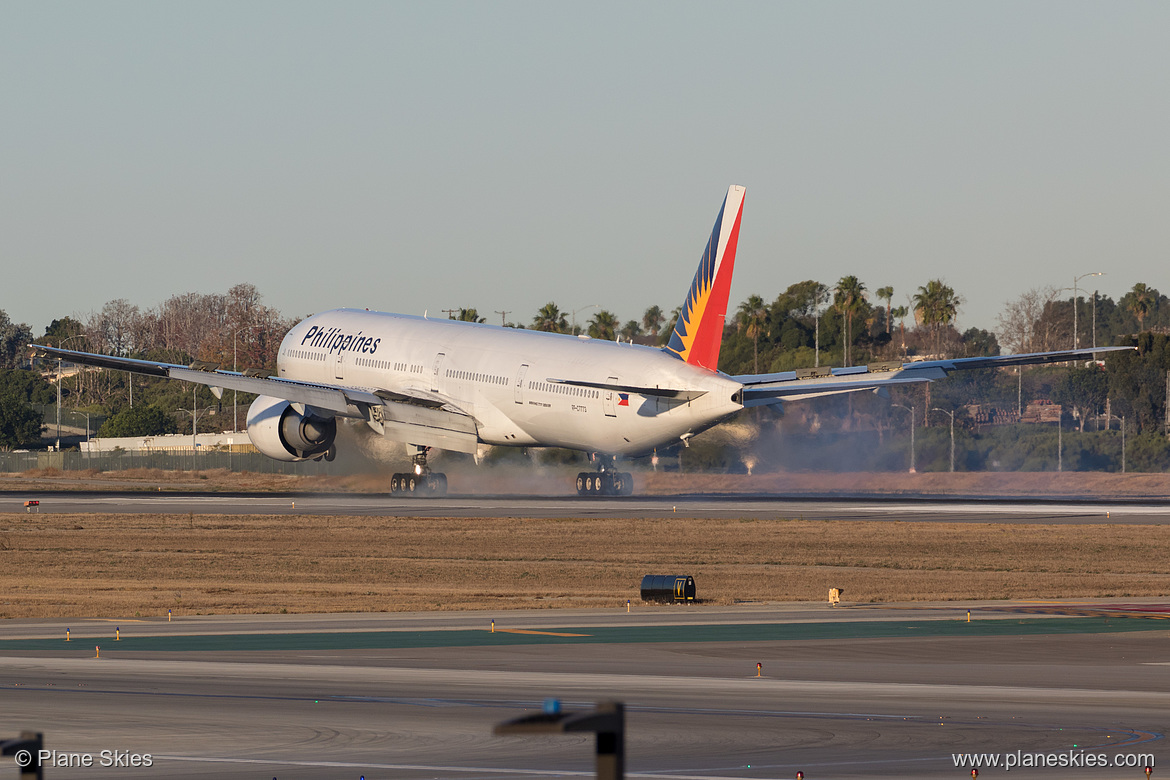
<point x="423" y="482"/>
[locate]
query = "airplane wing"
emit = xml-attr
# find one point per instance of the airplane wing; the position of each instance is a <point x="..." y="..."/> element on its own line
<point x="413" y="416"/>
<point x="762" y="389"/>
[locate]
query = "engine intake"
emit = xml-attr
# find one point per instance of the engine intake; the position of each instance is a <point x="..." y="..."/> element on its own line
<point x="281" y="432"/>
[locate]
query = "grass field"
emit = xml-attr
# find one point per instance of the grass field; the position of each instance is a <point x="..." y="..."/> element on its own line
<point x="127" y="565"/>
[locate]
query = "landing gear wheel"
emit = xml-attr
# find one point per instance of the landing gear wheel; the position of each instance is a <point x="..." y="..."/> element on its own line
<point x="436" y="484"/>
<point x="581" y="483"/>
<point x="396" y="483"/>
<point x="411" y="484"/>
<point x="330" y="454"/>
<point x="627" y="484"/>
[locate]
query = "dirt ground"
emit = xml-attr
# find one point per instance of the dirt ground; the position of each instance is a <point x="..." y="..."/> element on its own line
<point x="142" y="565"/>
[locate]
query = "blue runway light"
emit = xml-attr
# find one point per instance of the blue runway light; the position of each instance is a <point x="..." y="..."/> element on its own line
<point x="552" y="706"/>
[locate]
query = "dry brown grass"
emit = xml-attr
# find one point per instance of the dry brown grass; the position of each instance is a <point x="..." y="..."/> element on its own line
<point x="123" y="565"/>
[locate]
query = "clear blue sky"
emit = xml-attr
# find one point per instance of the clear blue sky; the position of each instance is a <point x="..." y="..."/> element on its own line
<point x="413" y="156"/>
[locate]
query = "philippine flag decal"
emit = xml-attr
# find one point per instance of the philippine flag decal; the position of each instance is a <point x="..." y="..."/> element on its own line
<point x="623" y="399"/>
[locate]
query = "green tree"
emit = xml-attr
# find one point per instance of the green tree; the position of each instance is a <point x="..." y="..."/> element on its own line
<point x="652" y="320"/>
<point x="14" y="341"/>
<point x="886" y="294"/>
<point x="1082" y="389"/>
<point x="469" y="315"/>
<point x="1141" y="301"/>
<point x="62" y="329"/>
<point x="631" y="330"/>
<point x="751" y="318"/>
<point x="550" y="319"/>
<point x="141" y="420"/>
<point x="20" y="424"/>
<point x="848" y="298"/>
<point x="603" y="325"/>
<point x="936" y="305"/>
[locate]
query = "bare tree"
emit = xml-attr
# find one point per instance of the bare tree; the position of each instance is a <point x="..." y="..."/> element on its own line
<point x="1026" y="324"/>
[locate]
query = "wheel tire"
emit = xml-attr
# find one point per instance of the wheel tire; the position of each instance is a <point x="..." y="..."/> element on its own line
<point x="395" y="483"/>
<point x="619" y="485"/>
<point x="581" y="484"/>
<point x="627" y="484"/>
<point x="411" y="484"/>
<point x="440" y="484"/>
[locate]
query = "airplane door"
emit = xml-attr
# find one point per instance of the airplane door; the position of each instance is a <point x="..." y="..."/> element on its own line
<point x="435" y="373"/>
<point x="520" y="383"/>
<point x="610" y="399"/>
<point x="338" y="366"/>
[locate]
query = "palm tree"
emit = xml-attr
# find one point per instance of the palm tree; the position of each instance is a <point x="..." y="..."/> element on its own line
<point x="850" y="293"/>
<point x="887" y="294"/>
<point x="936" y="304"/>
<point x="1141" y="301"/>
<point x="670" y="326"/>
<point x="470" y="315"/>
<point x="603" y="325"/>
<point x="631" y="330"/>
<point x="550" y="319"/>
<point x="652" y="320"/>
<point x="901" y="312"/>
<point x="751" y="318"/>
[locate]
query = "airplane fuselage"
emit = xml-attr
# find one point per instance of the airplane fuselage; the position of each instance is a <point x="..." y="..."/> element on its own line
<point x="500" y="377"/>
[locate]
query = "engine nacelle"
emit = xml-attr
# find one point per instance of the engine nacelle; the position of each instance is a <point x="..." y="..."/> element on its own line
<point x="282" y="433"/>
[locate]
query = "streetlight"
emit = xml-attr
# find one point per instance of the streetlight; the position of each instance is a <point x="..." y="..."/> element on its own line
<point x="583" y="308"/>
<point x="952" y="414"/>
<point x="61" y="345"/>
<point x="235" y="393"/>
<point x="194" y="412"/>
<point x="1075" y="334"/>
<point x="913" y="412"/>
<point x="1109" y="418"/>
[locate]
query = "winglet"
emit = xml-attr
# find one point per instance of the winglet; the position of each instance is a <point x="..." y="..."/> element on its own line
<point x="699" y="331"/>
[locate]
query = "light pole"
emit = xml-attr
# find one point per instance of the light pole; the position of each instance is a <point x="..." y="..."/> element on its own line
<point x="1109" y="418"/>
<point x="61" y="345"/>
<point x="583" y="308"/>
<point x="913" y="413"/>
<point x="952" y="414"/>
<point x="1075" y="334"/>
<point x="235" y="394"/>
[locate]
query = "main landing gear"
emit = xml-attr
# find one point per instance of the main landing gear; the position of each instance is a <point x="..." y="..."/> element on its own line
<point x="605" y="482"/>
<point x="423" y="482"/>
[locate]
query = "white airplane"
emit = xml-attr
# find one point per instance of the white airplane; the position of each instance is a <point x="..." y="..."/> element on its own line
<point x="438" y="383"/>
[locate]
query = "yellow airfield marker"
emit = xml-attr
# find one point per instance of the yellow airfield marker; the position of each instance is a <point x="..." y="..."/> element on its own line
<point x="66" y="635"/>
<point x="97" y="651"/>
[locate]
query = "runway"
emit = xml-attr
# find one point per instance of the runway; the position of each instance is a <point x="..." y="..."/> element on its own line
<point x="1122" y="511"/>
<point x="894" y="692"/>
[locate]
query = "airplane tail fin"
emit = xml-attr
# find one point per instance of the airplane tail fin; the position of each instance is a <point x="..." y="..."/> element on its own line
<point x="699" y="331"/>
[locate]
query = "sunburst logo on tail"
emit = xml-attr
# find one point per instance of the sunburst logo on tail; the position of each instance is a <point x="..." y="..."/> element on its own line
<point x="699" y="330"/>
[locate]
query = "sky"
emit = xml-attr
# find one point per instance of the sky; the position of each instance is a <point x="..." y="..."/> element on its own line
<point x="415" y="157"/>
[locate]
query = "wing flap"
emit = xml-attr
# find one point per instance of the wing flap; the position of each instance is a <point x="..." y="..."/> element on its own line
<point x="652" y="392"/>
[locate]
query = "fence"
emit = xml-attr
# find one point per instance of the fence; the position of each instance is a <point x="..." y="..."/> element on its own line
<point x="123" y="460"/>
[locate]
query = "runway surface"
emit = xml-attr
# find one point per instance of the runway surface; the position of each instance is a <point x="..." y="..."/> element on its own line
<point x="869" y="508"/>
<point x="863" y="691"/>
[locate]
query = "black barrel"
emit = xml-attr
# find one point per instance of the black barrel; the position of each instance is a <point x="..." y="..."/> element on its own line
<point x="668" y="588"/>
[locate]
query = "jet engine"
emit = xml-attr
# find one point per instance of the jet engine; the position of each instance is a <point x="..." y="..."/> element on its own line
<point x="281" y="432"/>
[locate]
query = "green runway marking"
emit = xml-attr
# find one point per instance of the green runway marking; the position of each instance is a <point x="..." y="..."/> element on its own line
<point x="769" y="632"/>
